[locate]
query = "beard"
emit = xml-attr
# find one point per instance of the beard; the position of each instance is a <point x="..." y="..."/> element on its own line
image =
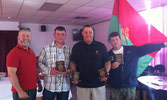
<point x="25" y="43"/>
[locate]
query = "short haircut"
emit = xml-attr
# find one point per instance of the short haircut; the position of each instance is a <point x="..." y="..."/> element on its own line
<point x="87" y="26"/>
<point x="24" y="29"/>
<point x="60" y="28"/>
<point x="114" y="34"/>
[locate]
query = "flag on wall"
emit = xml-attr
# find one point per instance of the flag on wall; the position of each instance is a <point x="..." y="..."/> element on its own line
<point x="134" y="30"/>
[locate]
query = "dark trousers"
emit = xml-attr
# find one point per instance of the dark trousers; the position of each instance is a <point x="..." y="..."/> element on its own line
<point x="47" y="95"/>
<point x="31" y="93"/>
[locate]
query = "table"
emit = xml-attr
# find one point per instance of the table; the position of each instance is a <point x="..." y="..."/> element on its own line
<point x="154" y="82"/>
<point x="6" y="93"/>
<point x="5" y="89"/>
<point x="158" y="84"/>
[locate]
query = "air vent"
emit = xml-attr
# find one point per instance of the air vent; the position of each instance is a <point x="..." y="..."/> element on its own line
<point x="50" y="7"/>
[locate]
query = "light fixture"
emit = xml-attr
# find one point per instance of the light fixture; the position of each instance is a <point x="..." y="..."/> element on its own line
<point x="9" y="17"/>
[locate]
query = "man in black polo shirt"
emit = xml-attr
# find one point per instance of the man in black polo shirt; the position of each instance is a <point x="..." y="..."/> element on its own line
<point x="87" y="57"/>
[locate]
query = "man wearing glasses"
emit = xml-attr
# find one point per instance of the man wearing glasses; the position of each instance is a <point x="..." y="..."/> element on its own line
<point x="22" y="69"/>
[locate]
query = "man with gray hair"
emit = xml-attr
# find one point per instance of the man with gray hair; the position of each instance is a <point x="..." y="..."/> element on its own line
<point x="22" y="69"/>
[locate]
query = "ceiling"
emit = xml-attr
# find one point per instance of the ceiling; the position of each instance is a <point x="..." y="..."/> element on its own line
<point x="68" y="12"/>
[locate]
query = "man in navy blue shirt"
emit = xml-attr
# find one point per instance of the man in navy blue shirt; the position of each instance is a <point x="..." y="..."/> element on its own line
<point x="87" y="57"/>
<point x="123" y="73"/>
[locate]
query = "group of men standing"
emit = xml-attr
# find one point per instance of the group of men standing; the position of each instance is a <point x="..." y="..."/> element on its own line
<point x="86" y="58"/>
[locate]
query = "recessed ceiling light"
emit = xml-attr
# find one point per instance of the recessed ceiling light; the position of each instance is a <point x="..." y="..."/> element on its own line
<point x="9" y="17"/>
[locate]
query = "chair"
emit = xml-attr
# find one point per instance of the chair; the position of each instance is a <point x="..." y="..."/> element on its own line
<point x="149" y="70"/>
<point x="142" y="91"/>
<point x="159" y="70"/>
<point x="160" y="95"/>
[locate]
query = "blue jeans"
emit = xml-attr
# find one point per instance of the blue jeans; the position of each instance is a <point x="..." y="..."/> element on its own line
<point x="31" y="93"/>
<point x="47" y="95"/>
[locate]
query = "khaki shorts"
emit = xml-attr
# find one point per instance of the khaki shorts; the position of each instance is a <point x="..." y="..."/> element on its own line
<point x="98" y="93"/>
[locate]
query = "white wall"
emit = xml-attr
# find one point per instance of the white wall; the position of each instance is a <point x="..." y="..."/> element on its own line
<point x="40" y="39"/>
<point x="101" y="33"/>
<point x="4" y="25"/>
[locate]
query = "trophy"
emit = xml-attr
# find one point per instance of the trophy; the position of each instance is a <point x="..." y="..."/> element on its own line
<point x="102" y="73"/>
<point x="60" y="66"/>
<point x="75" y="76"/>
<point x="118" y="58"/>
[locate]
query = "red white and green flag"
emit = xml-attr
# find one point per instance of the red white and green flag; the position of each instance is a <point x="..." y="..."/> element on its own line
<point x="134" y="30"/>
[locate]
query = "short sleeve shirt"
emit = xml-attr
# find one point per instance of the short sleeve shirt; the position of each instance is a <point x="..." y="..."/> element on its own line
<point x="89" y="59"/>
<point x="25" y="62"/>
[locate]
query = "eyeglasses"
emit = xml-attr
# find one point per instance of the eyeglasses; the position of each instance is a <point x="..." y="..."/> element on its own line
<point x="25" y="29"/>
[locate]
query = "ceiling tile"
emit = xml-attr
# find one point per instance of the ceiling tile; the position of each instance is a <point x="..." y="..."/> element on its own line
<point x="42" y="13"/>
<point x="96" y="10"/>
<point x="11" y="3"/>
<point x="108" y="5"/>
<point x="83" y="9"/>
<point x="40" y="16"/>
<point x="97" y="3"/>
<point x="34" y="4"/>
<point x="58" y="1"/>
<point x="10" y="12"/>
<point x="27" y="13"/>
<point x="68" y="8"/>
<point x="77" y="2"/>
<point x="5" y="18"/>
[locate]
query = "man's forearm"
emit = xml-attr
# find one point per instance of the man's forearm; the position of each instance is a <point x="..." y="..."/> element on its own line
<point x="38" y="79"/>
<point x="14" y="81"/>
<point x="107" y="66"/>
<point x="72" y="66"/>
<point x="44" y="69"/>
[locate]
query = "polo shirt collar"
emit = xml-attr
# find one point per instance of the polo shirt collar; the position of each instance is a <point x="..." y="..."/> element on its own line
<point x="93" y="43"/>
<point x="21" y="47"/>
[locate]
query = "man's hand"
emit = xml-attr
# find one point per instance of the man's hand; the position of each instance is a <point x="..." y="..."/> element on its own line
<point x="39" y="87"/>
<point x="65" y="73"/>
<point x="104" y="78"/>
<point x="54" y="72"/>
<point x="23" y="95"/>
<point x="75" y="82"/>
<point x="115" y="65"/>
<point x="15" y="82"/>
<point x="165" y="44"/>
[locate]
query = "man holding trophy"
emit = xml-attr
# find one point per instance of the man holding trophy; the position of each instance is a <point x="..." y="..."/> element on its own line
<point x="53" y="62"/>
<point x="89" y="64"/>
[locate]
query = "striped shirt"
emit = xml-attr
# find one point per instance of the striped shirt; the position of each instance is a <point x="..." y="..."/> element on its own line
<point x="47" y="59"/>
